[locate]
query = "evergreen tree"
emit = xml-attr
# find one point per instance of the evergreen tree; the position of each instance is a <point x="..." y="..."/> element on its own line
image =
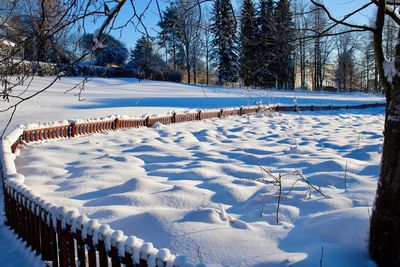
<point x="114" y="52"/>
<point x="224" y="41"/>
<point x="265" y="44"/>
<point x="284" y="45"/>
<point x="248" y="43"/>
<point x="144" y="62"/>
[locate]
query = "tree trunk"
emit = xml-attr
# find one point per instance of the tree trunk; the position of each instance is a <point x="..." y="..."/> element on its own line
<point x="385" y="221"/>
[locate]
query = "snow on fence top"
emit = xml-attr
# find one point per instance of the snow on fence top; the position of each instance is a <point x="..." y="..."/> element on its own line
<point x="51" y="230"/>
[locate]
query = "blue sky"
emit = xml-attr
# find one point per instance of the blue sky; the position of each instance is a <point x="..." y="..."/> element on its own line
<point x="130" y="34"/>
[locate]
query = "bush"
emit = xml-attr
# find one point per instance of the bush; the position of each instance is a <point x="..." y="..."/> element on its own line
<point x="89" y="70"/>
<point x="158" y="76"/>
<point x="25" y="67"/>
<point x="173" y="76"/>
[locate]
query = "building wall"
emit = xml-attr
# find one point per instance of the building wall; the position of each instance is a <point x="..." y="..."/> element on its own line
<point x="329" y="78"/>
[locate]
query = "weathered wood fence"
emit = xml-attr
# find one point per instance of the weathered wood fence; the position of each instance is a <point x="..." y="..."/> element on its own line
<point x="59" y="240"/>
<point x="66" y="240"/>
<point x="74" y="129"/>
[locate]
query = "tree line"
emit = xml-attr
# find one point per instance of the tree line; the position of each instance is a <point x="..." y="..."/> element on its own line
<point x="257" y="43"/>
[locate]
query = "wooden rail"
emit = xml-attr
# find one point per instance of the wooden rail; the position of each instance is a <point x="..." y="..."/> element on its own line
<point x="75" y="129"/>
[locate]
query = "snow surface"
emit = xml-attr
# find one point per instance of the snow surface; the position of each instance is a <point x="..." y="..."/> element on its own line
<point x="105" y="97"/>
<point x="194" y="187"/>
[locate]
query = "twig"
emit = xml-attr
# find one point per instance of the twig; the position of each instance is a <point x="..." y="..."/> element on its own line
<point x="322" y="256"/>
<point x="279" y="198"/>
<point x="345" y="176"/>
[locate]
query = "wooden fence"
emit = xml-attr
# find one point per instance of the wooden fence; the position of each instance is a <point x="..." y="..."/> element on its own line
<point x="58" y="244"/>
<point x="75" y="129"/>
<point x="55" y="240"/>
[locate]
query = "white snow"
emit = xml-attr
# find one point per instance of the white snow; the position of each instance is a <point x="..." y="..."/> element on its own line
<point x="389" y="70"/>
<point x="105" y="97"/>
<point x="196" y="184"/>
<point x="7" y="43"/>
<point x="195" y="187"/>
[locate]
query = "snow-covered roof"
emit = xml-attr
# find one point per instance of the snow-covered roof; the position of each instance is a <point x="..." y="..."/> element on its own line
<point x="7" y="43"/>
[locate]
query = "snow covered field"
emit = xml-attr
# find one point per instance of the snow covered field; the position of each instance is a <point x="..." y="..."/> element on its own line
<point x="104" y="97"/>
<point x="198" y="188"/>
<point x="193" y="187"/>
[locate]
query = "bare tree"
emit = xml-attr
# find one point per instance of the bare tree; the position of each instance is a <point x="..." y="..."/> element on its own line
<point x="389" y="40"/>
<point x="189" y="33"/>
<point x="49" y="20"/>
<point x="368" y="64"/>
<point x="206" y="43"/>
<point x="300" y="53"/>
<point x="321" y="45"/>
<point x="346" y="45"/>
<point x="384" y="242"/>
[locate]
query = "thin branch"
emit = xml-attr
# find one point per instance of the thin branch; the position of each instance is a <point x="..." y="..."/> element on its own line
<point x="343" y="21"/>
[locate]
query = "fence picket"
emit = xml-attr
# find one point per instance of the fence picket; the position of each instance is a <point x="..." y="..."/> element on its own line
<point x="103" y="259"/>
<point x="115" y="261"/>
<point x="80" y="248"/>
<point x="91" y="252"/>
<point x="62" y="245"/>
<point x="70" y="242"/>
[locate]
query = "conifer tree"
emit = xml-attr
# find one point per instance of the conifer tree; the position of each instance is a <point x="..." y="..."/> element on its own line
<point x="144" y="61"/>
<point x="284" y="45"/>
<point x="248" y="43"/>
<point x="224" y="41"/>
<point x="265" y="44"/>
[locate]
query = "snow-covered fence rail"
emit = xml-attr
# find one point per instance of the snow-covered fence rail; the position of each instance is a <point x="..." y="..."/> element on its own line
<point x="66" y="238"/>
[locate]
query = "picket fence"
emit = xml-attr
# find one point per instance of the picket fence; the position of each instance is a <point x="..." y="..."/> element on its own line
<point x="56" y="237"/>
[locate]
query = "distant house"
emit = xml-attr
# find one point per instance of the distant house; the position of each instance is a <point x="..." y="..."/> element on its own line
<point x="328" y="84"/>
<point x="5" y="47"/>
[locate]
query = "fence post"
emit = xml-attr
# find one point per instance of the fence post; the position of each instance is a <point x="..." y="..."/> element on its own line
<point x="53" y="244"/>
<point x="26" y="228"/>
<point x="174" y="117"/>
<point x="80" y="247"/>
<point x="221" y="113"/>
<point x="36" y="228"/>
<point x="91" y="251"/>
<point x="62" y="245"/>
<point x="70" y="246"/>
<point x="148" y="121"/>
<point x="115" y="261"/>
<point x="44" y="235"/>
<point x="116" y="124"/>
<point x="241" y="111"/>
<point x="128" y="259"/>
<point x="103" y="260"/>
<point x="73" y="129"/>
<point x="199" y="115"/>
